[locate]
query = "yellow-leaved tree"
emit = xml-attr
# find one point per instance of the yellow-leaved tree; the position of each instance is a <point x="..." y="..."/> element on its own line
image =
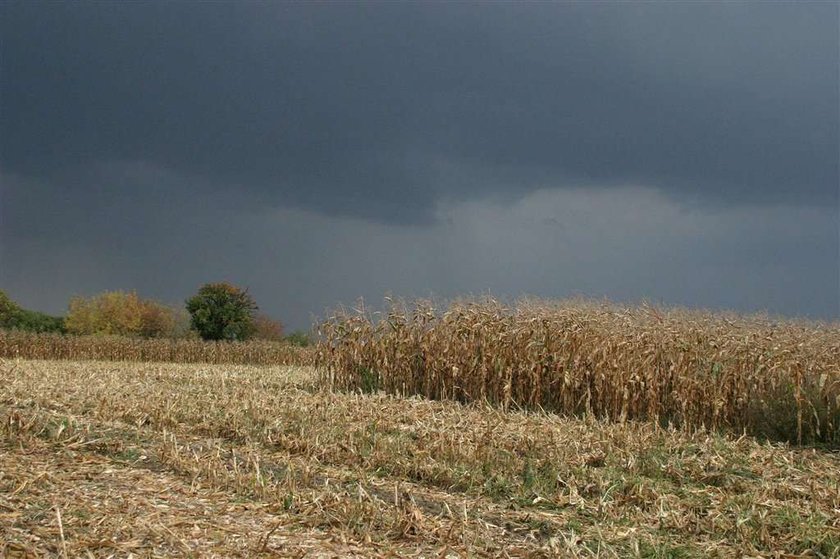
<point x="119" y="313"/>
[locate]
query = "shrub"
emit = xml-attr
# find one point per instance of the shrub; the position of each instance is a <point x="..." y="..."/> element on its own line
<point x="33" y="321"/>
<point x="299" y="338"/>
<point x="13" y="317"/>
<point x="221" y="311"/>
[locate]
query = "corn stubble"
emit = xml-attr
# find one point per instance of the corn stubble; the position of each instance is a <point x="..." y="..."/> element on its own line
<point x="774" y="379"/>
<point x="162" y="460"/>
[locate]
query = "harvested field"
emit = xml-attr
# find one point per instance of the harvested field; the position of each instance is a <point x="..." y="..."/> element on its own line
<point x="101" y="459"/>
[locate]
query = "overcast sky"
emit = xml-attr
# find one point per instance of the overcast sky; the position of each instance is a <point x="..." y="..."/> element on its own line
<point x="685" y="153"/>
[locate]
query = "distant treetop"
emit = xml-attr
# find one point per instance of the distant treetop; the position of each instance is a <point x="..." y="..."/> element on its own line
<point x="221" y="311"/>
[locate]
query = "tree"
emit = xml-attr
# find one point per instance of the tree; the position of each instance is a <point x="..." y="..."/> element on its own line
<point x="221" y="311"/>
<point x="266" y="328"/>
<point x="110" y="313"/>
<point x="156" y="320"/>
<point x="14" y="317"/>
<point x="8" y="310"/>
<point x="120" y="313"/>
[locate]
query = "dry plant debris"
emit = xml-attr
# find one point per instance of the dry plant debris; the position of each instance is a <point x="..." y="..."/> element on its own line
<point x="211" y="460"/>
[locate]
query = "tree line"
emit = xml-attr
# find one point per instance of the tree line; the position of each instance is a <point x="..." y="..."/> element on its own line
<point x="218" y="311"/>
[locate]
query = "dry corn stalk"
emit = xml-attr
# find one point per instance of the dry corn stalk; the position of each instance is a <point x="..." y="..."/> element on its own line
<point x="779" y="379"/>
<point x="25" y="345"/>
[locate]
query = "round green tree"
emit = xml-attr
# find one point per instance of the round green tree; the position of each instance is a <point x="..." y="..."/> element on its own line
<point x="221" y="311"/>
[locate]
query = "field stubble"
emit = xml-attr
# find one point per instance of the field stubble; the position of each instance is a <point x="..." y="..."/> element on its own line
<point x="161" y="459"/>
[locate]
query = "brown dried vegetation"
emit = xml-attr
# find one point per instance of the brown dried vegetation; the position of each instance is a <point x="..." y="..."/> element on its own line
<point x="775" y="379"/>
<point x="24" y="345"/>
<point x="103" y="459"/>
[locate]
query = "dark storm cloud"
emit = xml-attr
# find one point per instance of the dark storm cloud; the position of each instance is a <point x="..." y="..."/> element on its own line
<point x="383" y="110"/>
<point x="683" y="152"/>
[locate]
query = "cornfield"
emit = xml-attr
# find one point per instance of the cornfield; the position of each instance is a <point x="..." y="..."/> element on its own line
<point x="26" y="345"/>
<point x="774" y="379"/>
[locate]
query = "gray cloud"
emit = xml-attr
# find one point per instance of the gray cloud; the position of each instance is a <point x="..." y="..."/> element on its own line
<point x="627" y="244"/>
<point x="337" y="150"/>
<point x="350" y="109"/>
